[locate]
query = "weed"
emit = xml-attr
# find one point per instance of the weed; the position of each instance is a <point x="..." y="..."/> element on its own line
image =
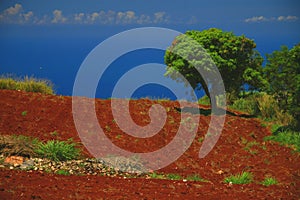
<point x="58" y="150"/>
<point x="195" y="177"/>
<point x="269" y="181"/>
<point x="54" y="133"/>
<point x="243" y="178"/>
<point x="107" y="128"/>
<point x="118" y="136"/>
<point x="200" y="139"/>
<point x="174" y="176"/>
<point x="157" y="176"/>
<point x="62" y="172"/>
<point x="24" y="113"/>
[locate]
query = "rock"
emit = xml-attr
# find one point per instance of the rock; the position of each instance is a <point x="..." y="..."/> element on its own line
<point x="14" y="160"/>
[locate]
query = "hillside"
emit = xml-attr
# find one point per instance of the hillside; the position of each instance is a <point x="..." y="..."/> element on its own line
<point x="240" y="148"/>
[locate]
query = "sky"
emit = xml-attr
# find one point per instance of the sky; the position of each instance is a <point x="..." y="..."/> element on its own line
<point x="240" y="16"/>
<point x="56" y="33"/>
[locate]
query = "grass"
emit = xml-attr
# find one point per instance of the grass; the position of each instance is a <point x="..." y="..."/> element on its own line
<point x="62" y="172"/>
<point x="27" y="84"/>
<point x="174" y="177"/>
<point x="195" y="177"/>
<point x="156" y="175"/>
<point x="243" y="178"/>
<point x="269" y="181"/>
<point x="58" y="150"/>
<point x="24" y="113"/>
<point x="288" y="138"/>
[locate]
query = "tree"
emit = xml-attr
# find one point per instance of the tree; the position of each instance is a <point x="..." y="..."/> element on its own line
<point x="282" y="72"/>
<point x="234" y="56"/>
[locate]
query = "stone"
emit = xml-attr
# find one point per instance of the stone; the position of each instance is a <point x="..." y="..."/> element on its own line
<point x="14" y="160"/>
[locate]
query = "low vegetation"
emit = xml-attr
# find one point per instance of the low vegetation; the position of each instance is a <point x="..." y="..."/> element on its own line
<point x="31" y="147"/>
<point x="243" y="178"/>
<point x="269" y="181"/>
<point x="27" y="84"/>
<point x="58" y="150"/>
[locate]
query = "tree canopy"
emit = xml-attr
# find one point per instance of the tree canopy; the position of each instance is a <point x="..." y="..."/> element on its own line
<point x="234" y="56"/>
<point x="282" y="73"/>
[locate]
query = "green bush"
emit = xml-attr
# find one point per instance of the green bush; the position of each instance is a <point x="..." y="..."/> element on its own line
<point x="243" y="178"/>
<point x="247" y="105"/>
<point x="58" y="150"/>
<point x="27" y="84"/>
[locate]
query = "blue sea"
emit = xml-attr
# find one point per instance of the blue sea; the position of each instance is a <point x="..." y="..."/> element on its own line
<point x="58" y="59"/>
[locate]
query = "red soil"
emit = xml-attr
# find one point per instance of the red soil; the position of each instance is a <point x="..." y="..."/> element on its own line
<point x="46" y="114"/>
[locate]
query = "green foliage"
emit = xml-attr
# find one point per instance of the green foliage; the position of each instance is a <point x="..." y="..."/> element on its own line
<point x="282" y="72"/>
<point x="195" y="177"/>
<point x="27" y="84"/>
<point x="204" y="100"/>
<point x="58" y="150"/>
<point x="243" y="178"/>
<point x="269" y="181"/>
<point x="174" y="176"/>
<point x="24" y="113"/>
<point x="62" y="172"/>
<point x="156" y="175"/>
<point x="234" y="56"/>
<point x="287" y="137"/>
<point x="264" y="106"/>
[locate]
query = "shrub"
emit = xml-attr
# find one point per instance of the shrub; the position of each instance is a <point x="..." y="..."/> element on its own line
<point x="243" y="178"/>
<point x="27" y="84"/>
<point x="58" y="150"/>
<point x="247" y="105"/>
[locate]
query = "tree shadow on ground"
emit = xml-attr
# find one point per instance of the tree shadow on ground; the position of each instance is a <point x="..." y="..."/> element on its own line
<point x="208" y="111"/>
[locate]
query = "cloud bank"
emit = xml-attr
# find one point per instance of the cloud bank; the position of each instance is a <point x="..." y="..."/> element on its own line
<point x="17" y="15"/>
<point x="266" y="19"/>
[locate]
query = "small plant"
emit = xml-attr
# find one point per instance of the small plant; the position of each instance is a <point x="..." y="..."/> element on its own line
<point x="157" y="176"/>
<point x="269" y="181"/>
<point x="174" y="177"/>
<point x="243" y="178"/>
<point x="195" y="177"/>
<point x="58" y="150"/>
<point x="54" y="133"/>
<point x="62" y="172"/>
<point x="107" y="128"/>
<point x="200" y="139"/>
<point x="24" y="113"/>
<point x="118" y="136"/>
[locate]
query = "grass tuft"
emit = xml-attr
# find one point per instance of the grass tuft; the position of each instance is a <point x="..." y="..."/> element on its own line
<point x="269" y="181"/>
<point x="243" y="178"/>
<point x="58" y="150"/>
<point x="27" y="84"/>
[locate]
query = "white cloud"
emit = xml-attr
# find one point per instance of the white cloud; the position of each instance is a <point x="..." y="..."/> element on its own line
<point x="256" y="19"/>
<point x="58" y="17"/>
<point x="287" y="18"/>
<point x="28" y="16"/>
<point x="14" y="9"/>
<point x="264" y="19"/>
<point x="79" y="17"/>
<point x="17" y="15"/>
<point x="160" y="17"/>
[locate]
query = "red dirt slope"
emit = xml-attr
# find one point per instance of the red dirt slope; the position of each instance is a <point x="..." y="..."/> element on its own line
<point x="240" y="148"/>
